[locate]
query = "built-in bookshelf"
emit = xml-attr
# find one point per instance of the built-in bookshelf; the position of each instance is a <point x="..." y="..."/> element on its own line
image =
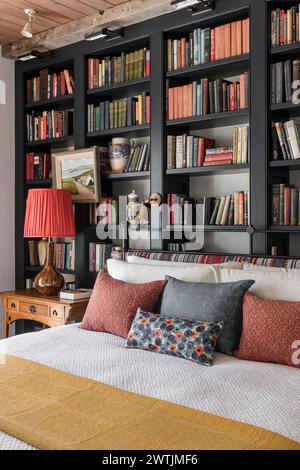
<point x="232" y="90"/>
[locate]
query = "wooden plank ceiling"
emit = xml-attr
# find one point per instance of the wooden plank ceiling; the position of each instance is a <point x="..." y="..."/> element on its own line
<point x="50" y="14"/>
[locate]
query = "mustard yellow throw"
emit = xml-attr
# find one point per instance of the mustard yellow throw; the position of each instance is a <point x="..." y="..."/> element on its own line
<point x="53" y="410"/>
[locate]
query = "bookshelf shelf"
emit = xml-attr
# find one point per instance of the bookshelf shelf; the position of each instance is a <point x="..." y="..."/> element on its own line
<point x="211" y="228"/>
<point x="284" y="107"/>
<point x="43" y="143"/>
<point x="291" y="164"/>
<point x="284" y="228"/>
<point x="65" y="100"/>
<point x="37" y="269"/>
<point x="37" y="183"/>
<point x="210" y="170"/>
<point x="130" y="130"/>
<point x="212" y="69"/>
<point x="227" y="118"/>
<point x="288" y="49"/>
<point x="132" y="85"/>
<point x="137" y="175"/>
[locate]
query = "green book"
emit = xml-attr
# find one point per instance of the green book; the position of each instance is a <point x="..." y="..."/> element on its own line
<point x="215" y="212"/>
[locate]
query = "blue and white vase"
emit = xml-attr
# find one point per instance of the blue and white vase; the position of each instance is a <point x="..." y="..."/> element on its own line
<point x="119" y="152"/>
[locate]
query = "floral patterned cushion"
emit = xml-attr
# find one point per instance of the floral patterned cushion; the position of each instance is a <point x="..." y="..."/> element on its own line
<point x="186" y="338"/>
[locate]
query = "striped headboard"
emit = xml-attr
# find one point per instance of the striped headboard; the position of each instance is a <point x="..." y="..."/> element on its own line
<point x="291" y="263"/>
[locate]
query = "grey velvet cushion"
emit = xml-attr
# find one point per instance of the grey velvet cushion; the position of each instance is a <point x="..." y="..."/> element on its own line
<point x="208" y="302"/>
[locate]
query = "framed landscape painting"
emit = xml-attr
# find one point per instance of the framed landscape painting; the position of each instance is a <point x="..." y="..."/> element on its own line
<point x="78" y="171"/>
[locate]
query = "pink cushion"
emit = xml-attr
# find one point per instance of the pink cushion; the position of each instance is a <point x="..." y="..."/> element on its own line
<point x="271" y="331"/>
<point x="113" y="304"/>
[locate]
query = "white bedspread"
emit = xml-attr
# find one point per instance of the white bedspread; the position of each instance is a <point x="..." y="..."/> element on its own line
<point x="265" y="395"/>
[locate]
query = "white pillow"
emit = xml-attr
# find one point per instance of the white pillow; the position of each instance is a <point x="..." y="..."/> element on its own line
<point x="158" y="262"/>
<point x="140" y="273"/>
<point x="268" y="285"/>
<point x="257" y="267"/>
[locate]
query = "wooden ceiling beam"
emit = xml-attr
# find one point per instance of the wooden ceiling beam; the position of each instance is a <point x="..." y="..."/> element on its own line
<point x="122" y="15"/>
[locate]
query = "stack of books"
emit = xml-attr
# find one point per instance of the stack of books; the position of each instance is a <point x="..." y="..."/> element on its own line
<point x="64" y="254"/>
<point x="38" y="166"/>
<point x="286" y="140"/>
<point x="118" y="69"/>
<point x="285" y="26"/>
<point x="231" y="209"/>
<point x="207" y="96"/>
<point x="99" y="253"/>
<point x="208" y="45"/>
<point x="49" y="124"/>
<point x="50" y="85"/>
<point x="106" y="212"/>
<point x="283" y="74"/>
<point x="131" y="111"/>
<point x="285" y="204"/>
<point x="139" y="159"/>
<point x="187" y="151"/>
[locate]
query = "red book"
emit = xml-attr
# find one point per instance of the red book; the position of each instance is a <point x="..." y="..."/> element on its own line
<point x="239" y="38"/>
<point x="217" y="162"/>
<point x="227" y="42"/>
<point x="183" y="47"/>
<point x="232" y="97"/>
<point x="203" y="145"/>
<point x="62" y="84"/>
<point x="241" y="208"/>
<point x="176" y="111"/>
<point x="180" y="102"/>
<point x="213" y="44"/>
<point x="47" y="166"/>
<point x="148" y="109"/>
<point x="245" y="28"/>
<point x="54" y="90"/>
<point x="233" y="40"/>
<point x="217" y="43"/>
<point x="242" y="92"/>
<point x="171" y="104"/>
<point x="222" y="43"/>
<point x="179" y="55"/>
<point x="190" y="100"/>
<point x="147" y="71"/>
<point x="281" y="23"/>
<point x="218" y="156"/>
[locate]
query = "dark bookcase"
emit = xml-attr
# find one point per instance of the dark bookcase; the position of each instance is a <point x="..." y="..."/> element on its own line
<point x="154" y="34"/>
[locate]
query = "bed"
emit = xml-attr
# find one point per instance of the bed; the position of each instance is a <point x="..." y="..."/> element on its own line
<point x="260" y="394"/>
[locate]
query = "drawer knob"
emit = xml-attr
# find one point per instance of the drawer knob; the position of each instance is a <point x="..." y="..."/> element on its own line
<point x="13" y="305"/>
<point x="55" y="313"/>
<point x="32" y="309"/>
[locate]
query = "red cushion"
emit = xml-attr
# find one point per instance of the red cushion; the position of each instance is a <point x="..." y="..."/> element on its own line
<point x="113" y="304"/>
<point x="271" y="331"/>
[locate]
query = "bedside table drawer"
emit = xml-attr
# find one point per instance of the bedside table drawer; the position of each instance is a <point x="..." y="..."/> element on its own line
<point x="34" y="309"/>
<point x="12" y="304"/>
<point x="57" y="312"/>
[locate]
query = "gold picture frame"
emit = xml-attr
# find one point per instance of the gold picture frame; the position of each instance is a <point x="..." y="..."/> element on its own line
<point x="78" y="171"/>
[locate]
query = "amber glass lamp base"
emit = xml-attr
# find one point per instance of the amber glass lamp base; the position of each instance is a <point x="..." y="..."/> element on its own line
<point x="49" y="281"/>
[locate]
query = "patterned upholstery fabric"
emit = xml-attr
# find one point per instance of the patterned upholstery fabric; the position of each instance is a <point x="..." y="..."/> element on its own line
<point x="114" y="303"/>
<point x="185" y="338"/>
<point x="292" y="263"/>
<point x="271" y="331"/>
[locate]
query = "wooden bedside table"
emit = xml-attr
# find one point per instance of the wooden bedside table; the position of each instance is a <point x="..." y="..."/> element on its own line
<point x="28" y="304"/>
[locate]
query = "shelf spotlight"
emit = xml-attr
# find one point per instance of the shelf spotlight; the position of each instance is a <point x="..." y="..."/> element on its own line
<point x="104" y="33"/>
<point x="196" y="6"/>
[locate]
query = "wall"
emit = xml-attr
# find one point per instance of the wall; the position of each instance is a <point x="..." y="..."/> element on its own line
<point x="7" y="185"/>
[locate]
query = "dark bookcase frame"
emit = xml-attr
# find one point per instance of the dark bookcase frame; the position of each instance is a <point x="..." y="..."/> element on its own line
<point x="154" y="33"/>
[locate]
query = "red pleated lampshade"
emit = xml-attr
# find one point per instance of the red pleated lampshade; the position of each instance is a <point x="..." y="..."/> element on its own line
<point x="49" y="213"/>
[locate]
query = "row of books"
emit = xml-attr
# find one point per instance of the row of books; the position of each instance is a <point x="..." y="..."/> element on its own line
<point x="64" y="254"/>
<point x="50" y="85"/>
<point x="49" y="124"/>
<point x="207" y="96"/>
<point x="139" y="159"/>
<point x="285" y="26"/>
<point x="118" y="69"/>
<point x="38" y="166"/>
<point x="99" y="253"/>
<point x="130" y="111"/>
<point x="231" y="209"/>
<point x="106" y="212"/>
<point x="283" y="75"/>
<point x="188" y="151"/>
<point x="208" y="45"/>
<point x="285" y="205"/>
<point x="286" y="140"/>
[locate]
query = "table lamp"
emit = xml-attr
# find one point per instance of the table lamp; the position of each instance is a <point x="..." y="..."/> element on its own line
<point x="49" y="213"/>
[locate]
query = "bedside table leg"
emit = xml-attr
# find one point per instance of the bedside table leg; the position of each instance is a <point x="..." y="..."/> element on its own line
<point x="6" y="327"/>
